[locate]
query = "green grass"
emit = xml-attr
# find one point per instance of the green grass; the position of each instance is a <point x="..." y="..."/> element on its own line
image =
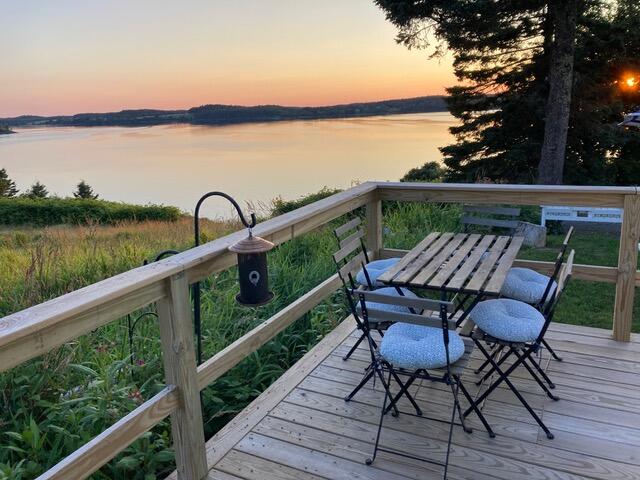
<point x="52" y="405"/>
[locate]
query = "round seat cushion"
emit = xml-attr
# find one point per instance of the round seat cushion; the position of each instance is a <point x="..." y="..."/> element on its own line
<point x="391" y="291"/>
<point x="527" y="286"/>
<point x="375" y="269"/>
<point x="412" y="347"/>
<point x="507" y="319"/>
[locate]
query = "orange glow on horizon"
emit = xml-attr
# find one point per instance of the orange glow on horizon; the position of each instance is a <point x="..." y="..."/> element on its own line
<point x="69" y="59"/>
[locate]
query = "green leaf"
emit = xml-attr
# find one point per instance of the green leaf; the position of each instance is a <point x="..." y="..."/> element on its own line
<point x="128" y="463"/>
<point x="84" y="369"/>
<point x="164" y="456"/>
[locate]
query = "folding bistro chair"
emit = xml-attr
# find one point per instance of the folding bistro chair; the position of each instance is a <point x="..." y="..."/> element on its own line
<point x="518" y="328"/>
<point x="490" y="217"/>
<point x="346" y="272"/>
<point x="350" y="239"/>
<point x="529" y="286"/>
<point x="419" y="347"/>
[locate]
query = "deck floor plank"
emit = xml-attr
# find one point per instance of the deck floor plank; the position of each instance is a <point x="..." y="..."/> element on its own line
<point x="309" y="432"/>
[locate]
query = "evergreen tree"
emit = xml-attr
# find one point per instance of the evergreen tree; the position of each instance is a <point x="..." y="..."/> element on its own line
<point x="504" y="54"/>
<point x="37" y="190"/>
<point x="7" y="186"/>
<point x="84" y="191"/>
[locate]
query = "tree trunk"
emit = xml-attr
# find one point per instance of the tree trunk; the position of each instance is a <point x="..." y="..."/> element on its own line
<point x="550" y="168"/>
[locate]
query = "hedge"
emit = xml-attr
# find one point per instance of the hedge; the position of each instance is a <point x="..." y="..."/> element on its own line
<point x="54" y="211"/>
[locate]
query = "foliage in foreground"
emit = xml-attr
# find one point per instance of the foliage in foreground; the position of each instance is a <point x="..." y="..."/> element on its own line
<point x="55" y="211"/>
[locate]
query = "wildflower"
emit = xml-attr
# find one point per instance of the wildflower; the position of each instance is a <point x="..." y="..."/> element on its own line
<point x="136" y="396"/>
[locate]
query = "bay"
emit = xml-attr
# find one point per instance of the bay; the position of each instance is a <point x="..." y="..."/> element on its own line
<point x="253" y="162"/>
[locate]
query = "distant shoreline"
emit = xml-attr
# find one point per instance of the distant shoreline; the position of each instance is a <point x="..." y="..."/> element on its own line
<point x="231" y="114"/>
<point x="5" y="130"/>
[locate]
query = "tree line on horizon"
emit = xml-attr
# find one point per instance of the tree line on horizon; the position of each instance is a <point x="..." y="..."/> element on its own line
<point x="9" y="189"/>
<point x="543" y="86"/>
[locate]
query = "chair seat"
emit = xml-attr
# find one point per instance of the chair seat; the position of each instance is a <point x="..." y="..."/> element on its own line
<point x="527" y="286"/>
<point x="391" y="291"/>
<point x="509" y="320"/>
<point x="375" y="269"/>
<point x="413" y="346"/>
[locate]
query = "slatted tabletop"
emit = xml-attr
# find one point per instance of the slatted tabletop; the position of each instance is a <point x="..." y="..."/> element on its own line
<point x="462" y="262"/>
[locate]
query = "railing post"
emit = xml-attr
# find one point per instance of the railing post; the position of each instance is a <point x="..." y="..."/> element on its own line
<point x="627" y="266"/>
<point x="374" y="227"/>
<point x="176" y="332"/>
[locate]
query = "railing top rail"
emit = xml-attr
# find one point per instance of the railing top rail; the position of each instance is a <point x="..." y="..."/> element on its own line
<point x="39" y="318"/>
<point x="511" y="188"/>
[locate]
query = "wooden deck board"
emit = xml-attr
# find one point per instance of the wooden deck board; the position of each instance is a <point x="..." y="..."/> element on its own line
<point x="306" y="430"/>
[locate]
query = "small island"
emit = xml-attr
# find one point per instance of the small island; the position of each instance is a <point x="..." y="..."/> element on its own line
<point x="4" y="129"/>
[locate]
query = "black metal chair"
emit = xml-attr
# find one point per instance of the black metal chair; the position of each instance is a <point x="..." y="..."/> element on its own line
<point x="518" y="328"/>
<point x="418" y="347"/>
<point x="534" y="288"/>
<point x="349" y="260"/>
<point x="350" y="238"/>
<point x="490" y="217"/>
<point x="365" y="272"/>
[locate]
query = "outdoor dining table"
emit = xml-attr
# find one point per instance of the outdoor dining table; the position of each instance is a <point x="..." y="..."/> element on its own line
<point x="470" y="264"/>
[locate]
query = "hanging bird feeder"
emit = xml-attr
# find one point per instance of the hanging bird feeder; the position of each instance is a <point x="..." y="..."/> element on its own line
<point x="253" y="274"/>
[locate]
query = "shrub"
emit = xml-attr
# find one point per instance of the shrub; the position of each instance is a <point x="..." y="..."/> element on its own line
<point x="429" y="172"/>
<point x="54" y="211"/>
<point x="281" y="206"/>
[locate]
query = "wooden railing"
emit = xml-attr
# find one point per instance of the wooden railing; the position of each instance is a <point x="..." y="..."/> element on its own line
<point x="39" y="329"/>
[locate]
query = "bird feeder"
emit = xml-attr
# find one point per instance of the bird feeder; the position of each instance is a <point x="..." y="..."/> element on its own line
<point x="253" y="274"/>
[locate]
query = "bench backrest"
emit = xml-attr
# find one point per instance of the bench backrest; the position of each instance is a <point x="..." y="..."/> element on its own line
<point x="490" y="216"/>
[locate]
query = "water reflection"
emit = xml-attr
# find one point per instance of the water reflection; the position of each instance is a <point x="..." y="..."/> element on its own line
<point x="175" y="164"/>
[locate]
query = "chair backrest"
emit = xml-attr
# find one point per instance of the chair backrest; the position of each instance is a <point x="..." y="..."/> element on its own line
<point x="548" y="293"/>
<point x="366" y="307"/>
<point x="563" y="280"/>
<point x="490" y="216"/>
<point x="350" y="238"/>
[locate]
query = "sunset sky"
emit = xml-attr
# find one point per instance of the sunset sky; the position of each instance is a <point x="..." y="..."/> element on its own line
<point x="70" y="56"/>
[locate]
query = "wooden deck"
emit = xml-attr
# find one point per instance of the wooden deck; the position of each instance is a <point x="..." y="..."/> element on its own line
<point x="301" y="428"/>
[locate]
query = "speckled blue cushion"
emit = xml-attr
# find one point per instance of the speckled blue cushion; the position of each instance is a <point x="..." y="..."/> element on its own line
<point x="413" y="346"/>
<point x="526" y="285"/>
<point x="507" y="319"/>
<point x="375" y="269"/>
<point x="391" y="291"/>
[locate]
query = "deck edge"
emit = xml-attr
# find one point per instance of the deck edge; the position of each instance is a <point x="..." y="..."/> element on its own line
<point x="224" y="441"/>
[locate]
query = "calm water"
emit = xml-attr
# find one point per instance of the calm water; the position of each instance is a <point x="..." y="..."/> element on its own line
<point x="255" y="163"/>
